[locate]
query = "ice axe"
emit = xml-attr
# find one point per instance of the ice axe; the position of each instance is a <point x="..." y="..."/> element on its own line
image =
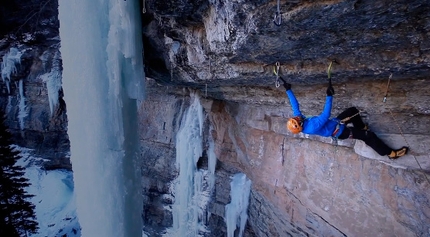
<point x="329" y="70"/>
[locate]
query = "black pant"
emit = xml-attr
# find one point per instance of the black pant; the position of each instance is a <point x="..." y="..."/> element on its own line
<point x="357" y="132"/>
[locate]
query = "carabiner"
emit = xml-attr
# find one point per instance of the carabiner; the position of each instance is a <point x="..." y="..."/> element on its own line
<point x="277" y="19"/>
<point x="276" y="72"/>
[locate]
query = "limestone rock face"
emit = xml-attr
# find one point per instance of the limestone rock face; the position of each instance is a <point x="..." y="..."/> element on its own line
<point x="31" y="28"/>
<point x="301" y="185"/>
<point x="236" y="42"/>
<point x="226" y="51"/>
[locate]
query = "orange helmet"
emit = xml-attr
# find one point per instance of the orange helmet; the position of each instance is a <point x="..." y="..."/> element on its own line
<point x="295" y="125"/>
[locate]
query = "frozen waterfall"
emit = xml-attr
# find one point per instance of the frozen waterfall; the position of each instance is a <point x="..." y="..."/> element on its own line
<point x="236" y="211"/>
<point x="103" y="81"/>
<point x="193" y="186"/>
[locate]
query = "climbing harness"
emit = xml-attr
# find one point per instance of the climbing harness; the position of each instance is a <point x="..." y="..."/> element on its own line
<point x="276" y="72"/>
<point x="277" y="19"/>
<point x="343" y="121"/>
<point x="334" y="135"/>
<point x="400" y="129"/>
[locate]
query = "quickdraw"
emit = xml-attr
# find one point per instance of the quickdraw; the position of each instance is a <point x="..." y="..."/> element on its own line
<point x="276" y="72"/>
<point x="388" y="85"/>
<point x="277" y="19"/>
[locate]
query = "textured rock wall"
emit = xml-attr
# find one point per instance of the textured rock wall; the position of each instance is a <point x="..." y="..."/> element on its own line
<point x="158" y="122"/>
<point x="302" y="185"/>
<point x="235" y="42"/>
<point x="326" y="190"/>
<point x="160" y="115"/>
<point x="305" y="185"/>
<point x="227" y="50"/>
<point x="310" y="186"/>
<point x="32" y="28"/>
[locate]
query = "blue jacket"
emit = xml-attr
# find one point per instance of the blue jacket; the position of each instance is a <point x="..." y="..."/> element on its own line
<point x="320" y="125"/>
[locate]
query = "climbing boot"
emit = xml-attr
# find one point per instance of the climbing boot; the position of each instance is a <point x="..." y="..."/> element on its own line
<point x="366" y="127"/>
<point x="398" y="153"/>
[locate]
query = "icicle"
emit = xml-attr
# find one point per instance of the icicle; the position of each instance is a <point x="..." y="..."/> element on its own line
<point x="189" y="149"/>
<point x="192" y="188"/>
<point x="52" y="80"/>
<point x="8" y="66"/>
<point x="211" y="163"/>
<point x="22" y="106"/>
<point x="236" y="210"/>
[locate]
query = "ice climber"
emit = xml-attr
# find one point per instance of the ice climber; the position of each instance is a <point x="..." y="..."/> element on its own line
<point x="336" y="128"/>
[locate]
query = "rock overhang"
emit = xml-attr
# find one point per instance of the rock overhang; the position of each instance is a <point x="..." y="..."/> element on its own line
<point x="236" y="43"/>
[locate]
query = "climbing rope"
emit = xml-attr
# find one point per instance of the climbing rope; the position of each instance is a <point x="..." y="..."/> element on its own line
<point x="348" y="118"/>
<point x="278" y="17"/>
<point x="400" y="129"/>
<point x="276" y="72"/>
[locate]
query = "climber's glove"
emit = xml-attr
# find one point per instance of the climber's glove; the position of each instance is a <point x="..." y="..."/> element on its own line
<point x="286" y="84"/>
<point x="330" y="90"/>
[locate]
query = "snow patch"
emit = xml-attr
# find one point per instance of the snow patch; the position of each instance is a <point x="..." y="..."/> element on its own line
<point x="54" y="198"/>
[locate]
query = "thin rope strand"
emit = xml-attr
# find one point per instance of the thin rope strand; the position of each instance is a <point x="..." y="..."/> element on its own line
<point x="400" y="129"/>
